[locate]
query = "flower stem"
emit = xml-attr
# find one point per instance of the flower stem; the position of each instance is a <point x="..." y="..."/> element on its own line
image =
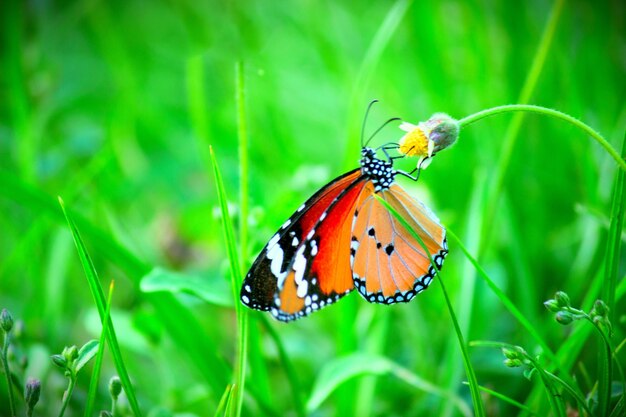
<point x="509" y="108"/>
<point x="68" y="394"/>
<point x="5" y="365"/>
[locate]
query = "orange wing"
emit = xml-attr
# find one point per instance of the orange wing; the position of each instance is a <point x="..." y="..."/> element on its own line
<point x="388" y="264"/>
<point x="305" y="266"/>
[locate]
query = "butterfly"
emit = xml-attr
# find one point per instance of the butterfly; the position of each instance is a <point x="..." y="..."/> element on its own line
<point x="343" y="238"/>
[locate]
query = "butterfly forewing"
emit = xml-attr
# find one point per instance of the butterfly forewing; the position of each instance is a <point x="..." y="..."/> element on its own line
<point x="286" y="271"/>
<point x="389" y="265"/>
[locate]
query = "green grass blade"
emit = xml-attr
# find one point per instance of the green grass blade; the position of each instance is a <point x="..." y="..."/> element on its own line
<point x="374" y="53"/>
<point x="290" y="370"/>
<point x="469" y="370"/>
<point x="339" y="370"/>
<point x="511" y="135"/>
<point x="224" y="401"/>
<point x="507" y="399"/>
<point x="95" y="376"/>
<point x="614" y="241"/>
<point x="235" y="267"/>
<point x="98" y="296"/>
<point x="212" y="291"/>
<point x="506" y="301"/>
<point x="182" y="326"/>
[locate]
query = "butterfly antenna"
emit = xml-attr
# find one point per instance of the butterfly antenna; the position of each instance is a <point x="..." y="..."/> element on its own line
<point x="367" y="112"/>
<point x="393" y="119"/>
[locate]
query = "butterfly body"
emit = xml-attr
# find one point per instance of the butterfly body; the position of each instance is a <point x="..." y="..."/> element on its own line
<point x="343" y="238"/>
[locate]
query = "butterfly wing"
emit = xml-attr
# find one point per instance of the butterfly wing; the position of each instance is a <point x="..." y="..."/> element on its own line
<point x="305" y="265"/>
<point x="389" y="265"/>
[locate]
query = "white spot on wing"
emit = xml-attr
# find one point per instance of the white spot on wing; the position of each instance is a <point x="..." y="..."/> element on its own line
<point x="287" y="223"/>
<point x="245" y="299"/>
<point x="303" y="288"/>
<point x="299" y="265"/>
<point x="313" y="248"/>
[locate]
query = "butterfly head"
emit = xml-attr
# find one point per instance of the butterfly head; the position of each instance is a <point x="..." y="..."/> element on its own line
<point x="379" y="171"/>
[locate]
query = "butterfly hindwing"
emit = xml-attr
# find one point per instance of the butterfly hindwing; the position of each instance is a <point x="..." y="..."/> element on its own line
<point x="389" y="265"/>
<point x="281" y="280"/>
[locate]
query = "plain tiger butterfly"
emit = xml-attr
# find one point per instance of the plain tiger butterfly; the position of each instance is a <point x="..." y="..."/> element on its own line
<point x="342" y="238"/>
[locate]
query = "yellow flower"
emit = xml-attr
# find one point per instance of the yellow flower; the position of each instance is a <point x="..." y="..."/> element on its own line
<point x="415" y="142"/>
<point x="427" y="138"/>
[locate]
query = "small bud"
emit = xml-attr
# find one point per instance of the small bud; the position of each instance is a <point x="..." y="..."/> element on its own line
<point x="70" y="353"/>
<point x="444" y="131"/>
<point x="60" y="361"/>
<point x="564" y="318"/>
<point x="6" y="320"/>
<point x="105" y="413"/>
<point x="31" y="392"/>
<point x="115" y="387"/>
<point x="511" y="353"/>
<point x="600" y="309"/>
<point x="513" y="363"/>
<point x="552" y="305"/>
<point x="562" y="299"/>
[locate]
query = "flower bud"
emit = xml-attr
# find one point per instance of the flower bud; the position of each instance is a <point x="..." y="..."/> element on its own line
<point x="59" y="360"/>
<point x="600" y="309"/>
<point x="444" y="131"/>
<point x="552" y="305"/>
<point x="70" y="353"/>
<point x="562" y="299"/>
<point x="564" y="318"/>
<point x="31" y="392"/>
<point x="427" y="138"/>
<point x="6" y="320"/>
<point x="511" y="353"/>
<point x="115" y="387"/>
<point x="513" y="363"/>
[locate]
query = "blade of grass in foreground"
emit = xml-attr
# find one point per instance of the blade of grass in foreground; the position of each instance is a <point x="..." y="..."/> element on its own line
<point x="469" y="370"/>
<point x="614" y="241"/>
<point x="98" y="296"/>
<point x="224" y="401"/>
<point x="95" y="376"/>
<point x="180" y="323"/>
<point x="342" y="369"/>
<point x="507" y="399"/>
<point x="236" y="279"/>
<point x="505" y="300"/>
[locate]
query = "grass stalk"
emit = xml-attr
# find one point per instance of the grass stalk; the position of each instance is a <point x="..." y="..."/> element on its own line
<point x="469" y="370"/>
<point x="506" y="301"/>
<point x="614" y="241"/>
<point x="97" y="367"/>
<point x="507" y="399"/>
<point x="236" y="280"/>
<point x="100" y="301"/>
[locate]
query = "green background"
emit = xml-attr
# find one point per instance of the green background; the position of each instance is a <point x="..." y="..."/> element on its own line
<point x="112" y="105"/>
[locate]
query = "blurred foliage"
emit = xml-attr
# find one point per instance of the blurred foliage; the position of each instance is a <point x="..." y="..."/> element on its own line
<point x="112" y="105"/>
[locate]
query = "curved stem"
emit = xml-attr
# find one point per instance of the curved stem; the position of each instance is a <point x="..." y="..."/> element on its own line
<point x="67" y="395"/>
<point x="509" y="108"/>
<point x="5" y="364"/>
